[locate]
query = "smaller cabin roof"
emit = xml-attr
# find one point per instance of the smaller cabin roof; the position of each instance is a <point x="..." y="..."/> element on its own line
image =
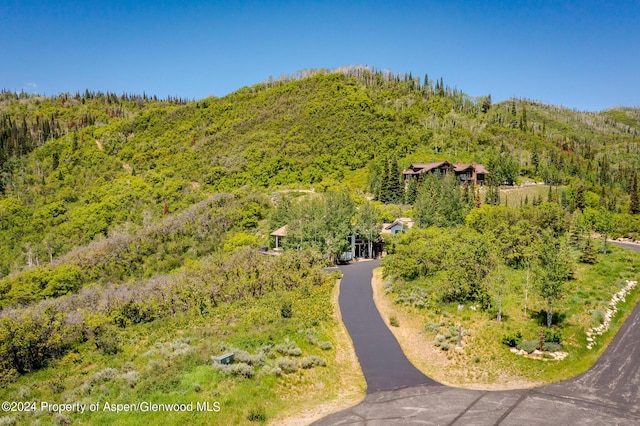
<point x="280" y="232"/>
<point x="404" y="221"/>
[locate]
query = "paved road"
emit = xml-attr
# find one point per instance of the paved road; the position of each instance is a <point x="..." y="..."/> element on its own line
<point x="383" y="363"/>
<point x="607" y="394"/>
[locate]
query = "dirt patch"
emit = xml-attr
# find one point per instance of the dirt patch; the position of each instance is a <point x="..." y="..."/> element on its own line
<point x="453" y="368"/>
<point x="352" y="388"/>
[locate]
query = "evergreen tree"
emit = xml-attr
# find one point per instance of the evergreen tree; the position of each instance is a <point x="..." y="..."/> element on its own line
<point x="412" y="191"/>
<point x="634" y="200"/>
<point x="396" y="189"/>
<point x="535" y="160"/>
<point x="579" y="201"/>
<point x="524" y="125"/>
<point x="588" y="254"/>
<point x="492" y="195"/>
<point x="384" y="194"/>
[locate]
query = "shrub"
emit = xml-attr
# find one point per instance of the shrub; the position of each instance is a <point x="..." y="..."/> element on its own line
<point x="325" y="346"/>
<point x="312" y="361"/>
<point x="257" y="415"/>
<point x="286" y="309"/>
<point x="131" y="378"/>
<point x="287" y="365"/>
<point x="272" y="370"/>
<point x="288" y="348"/>
<point x="552" y="336"/>
<point x="432" y="327"/>
<point x="597" y="318"/>
<point x="551" y="347"/>
<point x="107" y="341"/>
<point x="512" y="340"/>
<point x="312" y="339"/>
<point x="528" y="346"/>
<point x="267" y="351"/>
<point x="247" y="358"/>
<point x="238" y="369"/>
<point x="444" y="346"/>
<point x="393" y="321"/>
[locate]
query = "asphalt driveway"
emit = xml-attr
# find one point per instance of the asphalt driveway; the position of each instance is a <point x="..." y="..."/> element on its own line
<point x="607" y="394"/>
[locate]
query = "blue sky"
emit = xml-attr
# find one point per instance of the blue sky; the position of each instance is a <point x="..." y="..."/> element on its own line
<point x="579" y="54"/>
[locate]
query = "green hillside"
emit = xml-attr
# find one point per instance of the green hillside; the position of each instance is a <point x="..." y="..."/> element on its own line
<point x="74" y="167"/>
<point x="123" y="216"/>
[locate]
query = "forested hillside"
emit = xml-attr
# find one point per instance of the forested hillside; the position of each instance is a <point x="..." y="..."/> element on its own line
<point x="120" y="212"/>
<point x="75" y="166"/>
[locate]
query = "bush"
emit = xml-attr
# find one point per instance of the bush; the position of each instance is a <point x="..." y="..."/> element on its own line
<point x="432" y="327"/>
<point x="107" y="341"/>
<point x="512" y="340"/>
<point x="528" y="346"/>
<point x="286" y="309"/>
<point x="247" y="358"/>
<point x="272" y="370"/>
<point x="239" y="369"/>
<point x="312" y="361"/>
<point x="597" y="318"/>
<point x="288" y="348"/>
<point x="325" y="346"/>
<point x="312" y="339"/>
<point x="552" y="336"/>
<point x="257" y="415"/>
<point x="131" y="378"/>
<point x="393" y="321"/>
<point x="287" y="365"/>
<point x="551" y="347"/>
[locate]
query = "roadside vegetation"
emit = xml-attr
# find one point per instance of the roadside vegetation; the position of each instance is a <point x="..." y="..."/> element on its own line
<point x="520" y="278"/>
<point x="154" y="340"/>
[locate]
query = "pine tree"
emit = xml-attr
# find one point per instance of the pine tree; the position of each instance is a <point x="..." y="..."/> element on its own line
<point x="535" y="161"/>
<point x="395" y="184"/>
<point x="634" y="200"/>
<point x="580" y="203"/>
<point x="588" y="254"/>
<point x="412" y="191"/>
<point x="384" y="190"/>
<point x="524" y="125"/>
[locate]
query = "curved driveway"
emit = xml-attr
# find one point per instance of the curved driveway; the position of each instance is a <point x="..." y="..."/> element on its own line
<point x="607" y="394"/>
